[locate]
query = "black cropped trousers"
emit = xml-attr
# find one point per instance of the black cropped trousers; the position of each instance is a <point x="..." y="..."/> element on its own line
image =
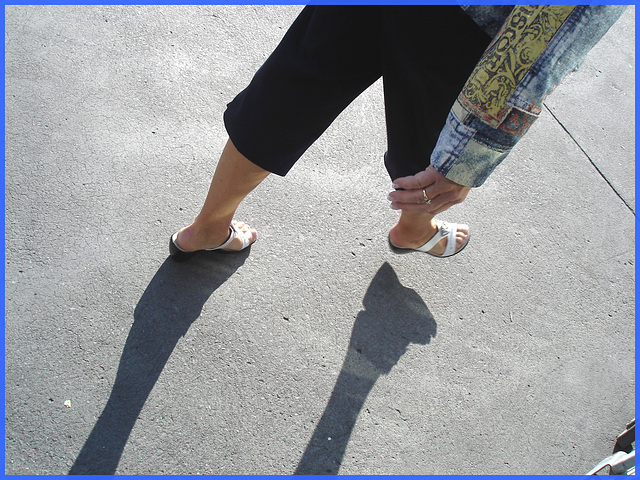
<point x="331" y="54"/>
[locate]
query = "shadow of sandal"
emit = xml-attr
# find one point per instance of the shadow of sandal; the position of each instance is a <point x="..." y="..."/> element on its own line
<point x="172" y="301"/>
<point x="394" y="317"/>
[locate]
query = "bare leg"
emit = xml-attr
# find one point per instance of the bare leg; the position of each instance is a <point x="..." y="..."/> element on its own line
<point x="414" y="229"/>
<point x="235" y="177"/>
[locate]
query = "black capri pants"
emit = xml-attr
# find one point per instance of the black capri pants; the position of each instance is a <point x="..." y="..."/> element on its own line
<point x="331" y="54"/>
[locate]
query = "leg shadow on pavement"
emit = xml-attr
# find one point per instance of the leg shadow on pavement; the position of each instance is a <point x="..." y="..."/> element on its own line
<point x="393" y="318"/>
<point x="169" y="305"/>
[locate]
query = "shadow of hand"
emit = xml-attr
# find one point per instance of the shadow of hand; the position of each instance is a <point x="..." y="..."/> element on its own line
<point x="394" y="317"/>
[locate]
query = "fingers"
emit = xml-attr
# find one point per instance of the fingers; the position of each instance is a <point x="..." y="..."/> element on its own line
<point x="414" y="196"/>
<point x="424" y="208"/>
<point x="438" y="204"/>
<point x="441" y="192"/>
<point x="417" y="181"/>
<point x="438" y="194"/>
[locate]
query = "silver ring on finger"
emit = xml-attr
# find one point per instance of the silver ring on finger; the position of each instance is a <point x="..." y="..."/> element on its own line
<point x="424" y="196"/>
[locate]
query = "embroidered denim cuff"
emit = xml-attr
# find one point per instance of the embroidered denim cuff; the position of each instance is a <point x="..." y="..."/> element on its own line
<point x="465" y="152"/>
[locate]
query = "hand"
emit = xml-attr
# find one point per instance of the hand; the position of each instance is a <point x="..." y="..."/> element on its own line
<point x="442" y="192"/>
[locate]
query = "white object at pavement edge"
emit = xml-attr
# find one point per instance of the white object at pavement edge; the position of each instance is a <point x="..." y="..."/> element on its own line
<point x="623" y="459"/>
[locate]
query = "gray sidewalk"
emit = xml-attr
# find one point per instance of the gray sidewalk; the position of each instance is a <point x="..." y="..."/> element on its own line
<point x="319" y="351"/>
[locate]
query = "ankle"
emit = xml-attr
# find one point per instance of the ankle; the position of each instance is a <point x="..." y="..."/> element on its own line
<point x="211" y="226"/>
<point x="416" y="226"/>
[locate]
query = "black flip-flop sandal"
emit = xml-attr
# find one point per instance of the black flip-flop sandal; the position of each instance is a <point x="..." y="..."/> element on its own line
<point x="179" y="254"/>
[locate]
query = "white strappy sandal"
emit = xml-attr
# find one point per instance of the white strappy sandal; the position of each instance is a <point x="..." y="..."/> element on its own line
<point x="445" y="230"/>
<point x="234" y="232"/>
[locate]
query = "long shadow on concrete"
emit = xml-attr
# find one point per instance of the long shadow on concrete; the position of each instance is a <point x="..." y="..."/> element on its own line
<point x="393" y="318"/>
<point x="169" y="305"/>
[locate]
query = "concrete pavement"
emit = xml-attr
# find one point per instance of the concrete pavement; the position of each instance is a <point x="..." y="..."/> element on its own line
<point x="318" y="351"/>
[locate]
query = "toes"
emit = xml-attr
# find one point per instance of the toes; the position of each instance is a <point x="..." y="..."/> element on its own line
<point x="240" y="225"/>
<point x="462" y="236"/>
<point x="249" y="235"/>
<point x="244" y="228"/>
<point x="464" y="229"/>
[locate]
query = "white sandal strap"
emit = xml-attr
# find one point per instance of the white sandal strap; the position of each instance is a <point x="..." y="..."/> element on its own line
<point x="246" y="239"/>
<point x="232" y="235"/>
<point x="433" y="241"/>
<point x="235" y="233"/>
<point x="450" y="230"/>
<point x="445" y="230"/>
